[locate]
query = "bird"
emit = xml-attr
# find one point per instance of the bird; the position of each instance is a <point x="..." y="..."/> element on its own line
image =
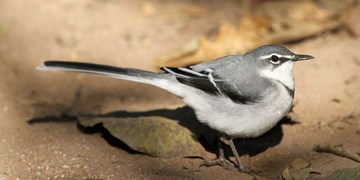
<point x="239" y="96"/>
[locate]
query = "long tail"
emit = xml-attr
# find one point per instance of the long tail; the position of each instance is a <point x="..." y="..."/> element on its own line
<point x="115" y="72"/>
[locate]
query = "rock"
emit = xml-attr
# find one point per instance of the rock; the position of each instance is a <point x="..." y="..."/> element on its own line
<point x="153" y="135"/>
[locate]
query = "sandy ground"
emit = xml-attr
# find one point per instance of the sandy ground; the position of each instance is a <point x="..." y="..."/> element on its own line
<point x="118" y="32"/>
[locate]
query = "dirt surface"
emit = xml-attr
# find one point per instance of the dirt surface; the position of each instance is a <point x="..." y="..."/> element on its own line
<point x="127" y="33"/>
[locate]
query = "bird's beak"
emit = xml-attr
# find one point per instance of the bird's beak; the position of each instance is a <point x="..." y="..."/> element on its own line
<point x="301" y="57"/>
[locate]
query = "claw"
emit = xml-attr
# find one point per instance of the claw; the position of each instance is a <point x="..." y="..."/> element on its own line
<point x="222" y="161"/>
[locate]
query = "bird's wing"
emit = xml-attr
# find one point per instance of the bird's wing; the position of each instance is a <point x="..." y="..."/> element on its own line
<point x="209" y="82"/>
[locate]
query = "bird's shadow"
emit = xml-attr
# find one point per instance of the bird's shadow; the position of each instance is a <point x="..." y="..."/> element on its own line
<point x="185" y="117"/>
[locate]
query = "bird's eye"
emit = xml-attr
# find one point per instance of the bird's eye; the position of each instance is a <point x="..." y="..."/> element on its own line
<point x="274" y="59"/>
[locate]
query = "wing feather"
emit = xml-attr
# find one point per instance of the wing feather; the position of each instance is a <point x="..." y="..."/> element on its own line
<point x="208" y="82"/>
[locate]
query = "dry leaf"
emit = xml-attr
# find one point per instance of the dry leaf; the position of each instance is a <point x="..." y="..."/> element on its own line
<point x="229" y="40"/>
<point x="295" y="20"/>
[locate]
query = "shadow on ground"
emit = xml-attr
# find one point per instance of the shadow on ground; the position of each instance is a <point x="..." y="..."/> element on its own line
<point x="185" y="117"/>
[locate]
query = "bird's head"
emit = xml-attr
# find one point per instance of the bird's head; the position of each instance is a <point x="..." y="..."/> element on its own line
<point x="275" y="62"/>
<point x="274" y="56"/>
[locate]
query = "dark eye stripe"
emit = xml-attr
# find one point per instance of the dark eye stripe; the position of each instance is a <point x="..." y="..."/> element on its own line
<point x="279" y="62"/>
<point x="283" y="59"/>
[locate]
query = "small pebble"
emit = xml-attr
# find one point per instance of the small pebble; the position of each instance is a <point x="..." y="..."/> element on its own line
<point x="286" y="174"/>
<point x="299" y="163"/>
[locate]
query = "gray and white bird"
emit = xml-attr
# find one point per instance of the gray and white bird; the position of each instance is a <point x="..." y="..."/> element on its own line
<point x="240" y="96"/>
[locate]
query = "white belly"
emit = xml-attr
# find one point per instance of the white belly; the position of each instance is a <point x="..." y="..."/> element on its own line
<point x="239" y="120"/>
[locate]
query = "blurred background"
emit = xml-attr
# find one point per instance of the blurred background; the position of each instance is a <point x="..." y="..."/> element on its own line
<point x="148" y="34"/>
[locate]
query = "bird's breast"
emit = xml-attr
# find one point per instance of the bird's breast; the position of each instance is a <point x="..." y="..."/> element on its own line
<point x="244" y="120"/>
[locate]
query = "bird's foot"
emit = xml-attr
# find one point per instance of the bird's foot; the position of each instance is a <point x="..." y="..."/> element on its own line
<point x="246" y="170"/>
<point x="219" y="162"/>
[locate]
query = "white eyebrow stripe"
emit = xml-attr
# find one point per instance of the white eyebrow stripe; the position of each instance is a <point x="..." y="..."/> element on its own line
<point x="278" y="55"/>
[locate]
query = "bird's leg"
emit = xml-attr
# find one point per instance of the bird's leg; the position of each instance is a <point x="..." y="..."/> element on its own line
<point x="233" y="149"/>
<point x="220" y="160"/>
<point x="227" y="140"/>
